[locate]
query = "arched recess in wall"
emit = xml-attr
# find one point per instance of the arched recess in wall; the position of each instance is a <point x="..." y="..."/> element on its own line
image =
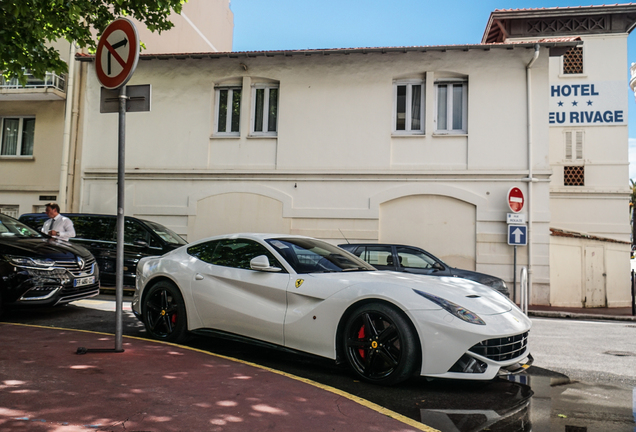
<point x="238" y="212"/>
<point x="442" y="225"/>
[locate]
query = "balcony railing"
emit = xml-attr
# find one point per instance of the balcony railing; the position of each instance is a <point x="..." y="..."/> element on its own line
<point x="51" y="80"/>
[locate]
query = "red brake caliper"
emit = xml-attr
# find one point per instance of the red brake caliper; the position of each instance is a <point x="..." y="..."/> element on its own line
<point x="361" y="336"/>
<point x="173" y="318"/>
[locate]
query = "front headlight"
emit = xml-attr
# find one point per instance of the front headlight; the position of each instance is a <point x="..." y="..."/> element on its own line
<point x="453" y="309"/>
<point x="29" y="262"/>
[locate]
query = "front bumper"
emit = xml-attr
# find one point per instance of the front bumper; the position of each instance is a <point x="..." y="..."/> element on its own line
<point x="50" y="286"/>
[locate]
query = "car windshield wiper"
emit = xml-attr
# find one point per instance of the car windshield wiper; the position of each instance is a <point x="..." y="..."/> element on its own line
<point x="357" y="269"/>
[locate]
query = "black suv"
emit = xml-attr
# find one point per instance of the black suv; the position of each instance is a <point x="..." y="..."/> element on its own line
<point x="98" y="234"/>
<point x="38" y="270"/>
<point x="411" y="259"/>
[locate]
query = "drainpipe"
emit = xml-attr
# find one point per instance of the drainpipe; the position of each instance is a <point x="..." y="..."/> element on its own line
<point x="66" y="138"/>
<point x="530" y="178"/>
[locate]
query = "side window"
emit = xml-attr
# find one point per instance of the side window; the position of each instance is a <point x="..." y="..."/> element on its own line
<point x="204" y="251"/>
<point x="452" y="107"/>
<point x="134" y="232"/>
<point x="264" y="110"/>
<point x="16" y="136"/>
<point x="10" y="210"/>
<point x="378" y="255"/>
<point x="574" y="145"/>
<point x="408" y="112"/>
<point x="228" y="108"/>
<point x="236" y="253"/>
<point x="411" y="258"/>
<point x="154" y="243"/>
<point x="357" y="251"/>
<point x="94" y="228"/>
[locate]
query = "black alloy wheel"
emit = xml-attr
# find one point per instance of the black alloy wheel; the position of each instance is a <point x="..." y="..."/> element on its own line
<point x="164" y="313"/>
<point x="381" y="345"/>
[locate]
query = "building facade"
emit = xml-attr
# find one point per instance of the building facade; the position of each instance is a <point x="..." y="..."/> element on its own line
<point x="588" y="134"/>
<point x="391" y="145"/>
<point x="413" y="145"/>
<point x="40" y="123"/>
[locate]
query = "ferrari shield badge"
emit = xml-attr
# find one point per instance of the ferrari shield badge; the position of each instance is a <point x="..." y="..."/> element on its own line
<point x="299" y="282"/>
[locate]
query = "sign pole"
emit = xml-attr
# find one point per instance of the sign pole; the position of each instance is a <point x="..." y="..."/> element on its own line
<point x="115" y="61"/>
<point x="514" y="277"/>
<point x="121" y="166"/>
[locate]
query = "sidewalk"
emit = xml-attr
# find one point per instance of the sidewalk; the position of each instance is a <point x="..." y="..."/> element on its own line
<point x="612" y="314"/>
<point x="152" y="386"/>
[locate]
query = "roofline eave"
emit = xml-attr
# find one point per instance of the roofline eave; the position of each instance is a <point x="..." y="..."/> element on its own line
<point x="342" y="51"/>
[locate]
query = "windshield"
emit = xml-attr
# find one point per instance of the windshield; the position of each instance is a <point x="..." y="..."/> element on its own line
<point x="307" y="255"/>
<point x="10" y="227"/>
<point x="166" y="234"/>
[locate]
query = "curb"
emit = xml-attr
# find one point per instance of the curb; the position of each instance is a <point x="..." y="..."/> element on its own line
<point x="580" y="316"/>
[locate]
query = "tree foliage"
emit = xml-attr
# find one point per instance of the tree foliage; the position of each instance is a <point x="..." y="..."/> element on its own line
<point x="27" y="26"/>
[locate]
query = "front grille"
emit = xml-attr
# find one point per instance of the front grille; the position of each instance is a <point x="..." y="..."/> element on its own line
<point x="74" y="268"/>
<point x="502" y="349"/>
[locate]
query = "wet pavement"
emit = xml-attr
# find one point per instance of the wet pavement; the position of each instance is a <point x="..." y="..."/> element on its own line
<point x="540" y="400"/>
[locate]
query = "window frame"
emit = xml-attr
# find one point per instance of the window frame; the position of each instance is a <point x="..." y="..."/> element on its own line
<point x="575" y="146"/>
<point x="231" y="88"/>
<point x="408" y="127"/>
<point x="12" y="210"/>
<point x="19" y="148"/>
<point x="450" y="106"/>
<point x="266" y="109"/>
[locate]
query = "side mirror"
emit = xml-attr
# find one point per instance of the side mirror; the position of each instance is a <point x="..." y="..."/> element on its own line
<point x="261" y="263"/>
<point x="438" y="266"/>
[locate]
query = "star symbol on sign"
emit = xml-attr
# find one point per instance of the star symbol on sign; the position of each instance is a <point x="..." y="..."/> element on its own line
<point x="560" y="104"/>
<point x="574" y="103"/>
<point x="589" y="103"/>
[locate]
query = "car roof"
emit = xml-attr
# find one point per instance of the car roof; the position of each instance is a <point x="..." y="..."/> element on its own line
<point x="379" y="244"/>
<point x="44" y="216"/>
<point x="251" y="236"/>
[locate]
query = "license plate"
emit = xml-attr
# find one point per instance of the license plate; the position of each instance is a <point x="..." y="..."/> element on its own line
<point x="84" y="281"/>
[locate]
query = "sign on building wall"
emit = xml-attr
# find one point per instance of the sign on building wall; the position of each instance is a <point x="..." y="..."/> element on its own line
<point x="585" y="103"/>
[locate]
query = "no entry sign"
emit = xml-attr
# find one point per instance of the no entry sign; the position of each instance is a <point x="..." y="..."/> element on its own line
<point x="117" y="53"/>
<point x="515" y="199"/>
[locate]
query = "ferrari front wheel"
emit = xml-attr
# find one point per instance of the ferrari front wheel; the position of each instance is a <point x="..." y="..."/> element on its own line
<point x="380" y="344"/>
<point x="164" y="312"/>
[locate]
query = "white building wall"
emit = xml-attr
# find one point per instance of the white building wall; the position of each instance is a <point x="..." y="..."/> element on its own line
<point x="600" y="207"/>
<point x="334" y="170"/>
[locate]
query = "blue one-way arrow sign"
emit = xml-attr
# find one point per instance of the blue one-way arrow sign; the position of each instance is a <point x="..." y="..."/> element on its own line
<point x="517" y="235"/>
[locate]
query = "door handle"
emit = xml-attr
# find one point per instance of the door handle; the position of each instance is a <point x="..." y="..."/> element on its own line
<point x="198" y="277"/>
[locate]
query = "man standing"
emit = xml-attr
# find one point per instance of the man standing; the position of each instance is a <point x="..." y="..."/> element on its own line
<point x="58" y="226"/>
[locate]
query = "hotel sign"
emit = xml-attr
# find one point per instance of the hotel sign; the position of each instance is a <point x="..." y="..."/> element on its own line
<point x="584" y="103"/>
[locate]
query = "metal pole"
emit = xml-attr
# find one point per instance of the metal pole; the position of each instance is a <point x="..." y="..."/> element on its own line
<point x="633" y="294"/>
<point x="523" y="282"/>
<point x="119" y="287"/>
<point x="514" y="277"/>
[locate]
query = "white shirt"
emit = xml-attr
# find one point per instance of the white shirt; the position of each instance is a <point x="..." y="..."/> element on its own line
<point x="62" y="225"/>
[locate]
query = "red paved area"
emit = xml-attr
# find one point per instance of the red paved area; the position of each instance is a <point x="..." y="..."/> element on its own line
<point x="46" y="386"/>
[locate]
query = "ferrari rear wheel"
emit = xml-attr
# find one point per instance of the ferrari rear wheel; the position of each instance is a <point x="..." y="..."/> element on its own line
<point x="380" y="344"/>
<point x="164" y="312"/>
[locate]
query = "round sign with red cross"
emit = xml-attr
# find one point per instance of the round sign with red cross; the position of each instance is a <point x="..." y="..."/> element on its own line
<point x="515" y="199"/>
<point x="117" y="53"/>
